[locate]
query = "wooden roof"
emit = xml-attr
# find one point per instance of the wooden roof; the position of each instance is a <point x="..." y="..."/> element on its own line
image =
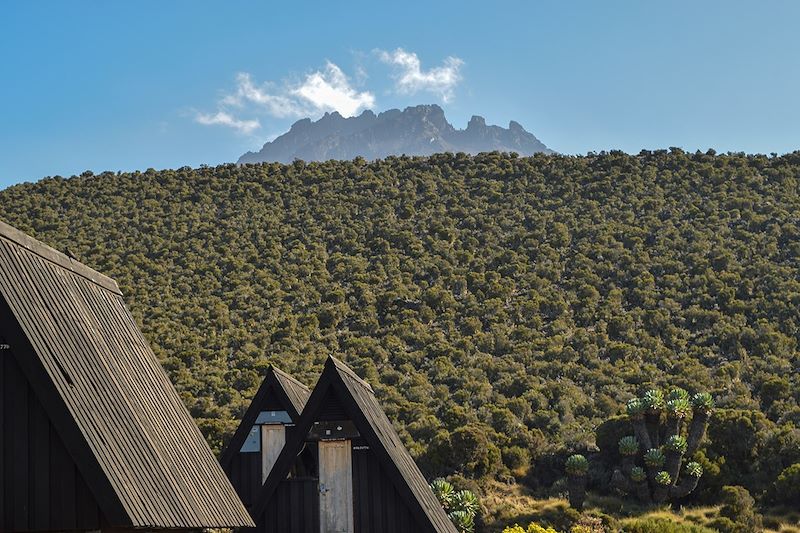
<point x="107" y="395"/>
<point x="292" y="395"/>
<point x="362" y="407"/>
<point x="296" y="392"/>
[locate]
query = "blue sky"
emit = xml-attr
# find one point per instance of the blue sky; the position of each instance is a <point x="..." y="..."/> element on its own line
<point x="131" y="85"/>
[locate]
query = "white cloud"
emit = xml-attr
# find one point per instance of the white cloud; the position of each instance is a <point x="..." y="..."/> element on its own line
<point x="223" y="118"/>
<point x="330" y="90"/>
<point x="410" y="78"/>
<point x="277" y="105"/>
<point x="322" y="90"/>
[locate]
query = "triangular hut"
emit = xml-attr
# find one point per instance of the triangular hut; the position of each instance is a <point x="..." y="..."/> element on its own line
<point x="344" y="469"/>
<point x="259" y="439"/>
<point x="94" y="436"/>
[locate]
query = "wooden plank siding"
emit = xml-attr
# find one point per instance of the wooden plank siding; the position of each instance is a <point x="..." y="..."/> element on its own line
<point x="336" y="486"/>
<point x="273" y="437"/>
<point x="43" y="486"/>
<point x="295" y="508"/>
<point x="244" y="473"/>
<point x="4" y="353"/>
<point x="378" y="505"/>
<point x="117" y="427"/>
<point x="39" y="468"/>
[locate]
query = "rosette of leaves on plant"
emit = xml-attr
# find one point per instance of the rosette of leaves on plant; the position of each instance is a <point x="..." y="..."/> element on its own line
<point x="461" y="506"/>
<point x="628" y="448"/>
<point x="653" y="401"/>
<point x="444" y="491"/>
<point x="576" y="465"/>
<point x="638" y="474"/>
<point x="664" y="479"/>
<point x="678" y="408"/>
<point x="654" y="458"/>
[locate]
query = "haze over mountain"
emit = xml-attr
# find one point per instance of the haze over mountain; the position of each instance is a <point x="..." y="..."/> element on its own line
<point x="418" y="130"/>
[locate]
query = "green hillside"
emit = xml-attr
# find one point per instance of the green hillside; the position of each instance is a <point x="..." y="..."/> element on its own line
<point x="501" y="306"/>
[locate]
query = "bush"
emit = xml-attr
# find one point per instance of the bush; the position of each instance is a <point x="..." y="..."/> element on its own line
<point x="739" y="508"/>
<point x="787" y="486"/>
<point x="736" y="442"/>
<point x="725" y="525"/>
<point x="588" y="524"/>
<point x="517" y="459"/>
<point x="607" y="437"/>
<point x="473" y="452"/>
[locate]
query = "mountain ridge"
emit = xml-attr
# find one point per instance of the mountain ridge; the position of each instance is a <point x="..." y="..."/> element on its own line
<point x="416" y="130"/>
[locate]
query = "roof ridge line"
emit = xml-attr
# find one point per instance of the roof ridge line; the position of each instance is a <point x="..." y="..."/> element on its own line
<point x="342" y="367"/>
<point x="48" y="253"/>
<point x="289" y="377"/>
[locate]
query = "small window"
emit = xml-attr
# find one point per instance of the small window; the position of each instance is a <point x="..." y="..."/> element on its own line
<point x="253" y="441"/>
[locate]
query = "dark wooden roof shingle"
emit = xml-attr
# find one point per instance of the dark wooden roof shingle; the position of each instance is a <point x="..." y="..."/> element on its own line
<point x="296" y="392"/>
<point x="109" y="398"/>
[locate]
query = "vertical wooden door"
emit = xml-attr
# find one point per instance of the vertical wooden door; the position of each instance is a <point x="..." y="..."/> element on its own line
<point x="273" y="437"/>
<point x="335" y="486"/>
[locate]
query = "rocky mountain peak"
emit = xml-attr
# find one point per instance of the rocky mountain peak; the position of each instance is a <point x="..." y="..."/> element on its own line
<point x="416" y="130"/>
<point x="476" y="122"/>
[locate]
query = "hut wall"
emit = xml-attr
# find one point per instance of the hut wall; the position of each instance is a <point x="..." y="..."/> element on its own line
<point x="377" y="504"/>
<point x="244" y="471"/>
<point x="40" y="487"/>
<point x="293" y="508"/>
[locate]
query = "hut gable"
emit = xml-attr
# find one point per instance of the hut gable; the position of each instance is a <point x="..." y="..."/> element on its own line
<point x="241" y="460"/>
<point x="92" y="426"/>
<point x="388" y="491"/>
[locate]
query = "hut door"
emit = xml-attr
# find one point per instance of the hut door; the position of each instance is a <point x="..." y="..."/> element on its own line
<point x="273" y="437"/>
<point x="335" y="486"/>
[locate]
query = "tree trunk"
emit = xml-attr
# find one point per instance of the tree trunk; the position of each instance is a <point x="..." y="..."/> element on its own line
<point x="673" y="464"/>
<point x="643" y="492"/>
<point x="660" y="493"/>
<point x="621" y="481"/>
<point x="688" y="484"/>
<point x="651" y="472"/>
<point x="652" y="424"/>
<point x="577" y="491"/>
<point x="696" y="432"/>
<point x="640" y="430"/>
<point x="628" y="463"/>
<point x="673" y="427"/>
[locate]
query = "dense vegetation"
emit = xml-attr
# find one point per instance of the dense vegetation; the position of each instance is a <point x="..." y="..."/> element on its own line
<point x="504" y="307"/>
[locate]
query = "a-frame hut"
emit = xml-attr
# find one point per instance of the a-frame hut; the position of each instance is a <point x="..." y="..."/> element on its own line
<point x="94" y="436"/>
<point x="344" y="469"/>
<point x="261" y="435"/>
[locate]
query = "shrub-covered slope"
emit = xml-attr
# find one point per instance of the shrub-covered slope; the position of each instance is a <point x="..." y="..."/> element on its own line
<point x="500" y="305"/>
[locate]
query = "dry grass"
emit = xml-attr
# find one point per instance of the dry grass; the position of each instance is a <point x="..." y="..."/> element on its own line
<point x="698" y="516"/>
<point x="509" y="504"/>
<point x="782" y="520"/>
